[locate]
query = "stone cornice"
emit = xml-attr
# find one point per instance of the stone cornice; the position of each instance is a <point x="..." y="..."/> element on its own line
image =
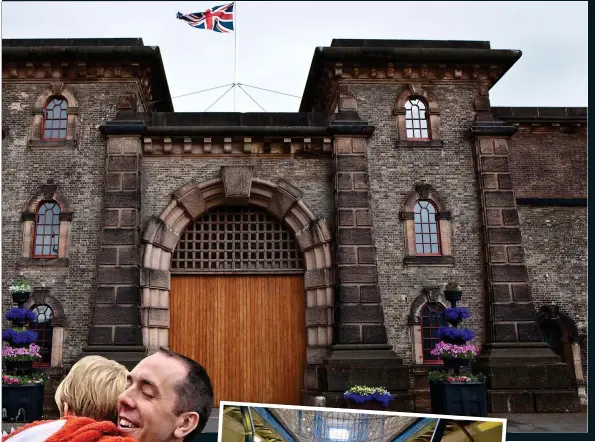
<point x="348" y="65"/>
<point x="91" y="63"/>
<point x="157" y="146"/>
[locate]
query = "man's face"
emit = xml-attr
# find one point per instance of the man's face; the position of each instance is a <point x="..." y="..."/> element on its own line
<point x="146" y="407"/>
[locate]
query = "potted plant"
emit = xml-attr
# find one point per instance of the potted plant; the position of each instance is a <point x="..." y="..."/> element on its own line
<point x="452" y="292"/>
<point x="368" y="398"/>
<point x="20" y="292"/>
<point x="22" y="388"/>
<point x="452" y="393"/>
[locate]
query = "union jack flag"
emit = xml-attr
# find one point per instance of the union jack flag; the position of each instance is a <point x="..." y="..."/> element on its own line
<point x="218" y="18"/>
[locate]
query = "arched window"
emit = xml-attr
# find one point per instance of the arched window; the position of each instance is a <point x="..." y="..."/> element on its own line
<point x="55" y="119"/>
<point x="47" y="230"/>
<point x="427" y="241"/>
<point x="432" y="318"/>
<point x="43" y="326"/>
<point x="417" y="122"/>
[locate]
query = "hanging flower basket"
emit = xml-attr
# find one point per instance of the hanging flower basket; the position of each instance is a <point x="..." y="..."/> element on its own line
<point x="20" y="291"/>
<point x="20" y="316"/>
<point x="452" y="292"/>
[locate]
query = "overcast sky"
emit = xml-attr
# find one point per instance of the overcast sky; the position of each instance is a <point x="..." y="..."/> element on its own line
<point x="276" y="40"/>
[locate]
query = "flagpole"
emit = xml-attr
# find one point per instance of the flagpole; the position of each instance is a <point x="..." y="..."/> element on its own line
<point x="235" y="32"/>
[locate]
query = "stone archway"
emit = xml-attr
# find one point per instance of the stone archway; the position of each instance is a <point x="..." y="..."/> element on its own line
<point x="237" y="186"/>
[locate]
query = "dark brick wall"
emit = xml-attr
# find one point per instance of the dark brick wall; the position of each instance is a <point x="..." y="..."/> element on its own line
<point x="549" y="164"/>
<point x="555" y="242"/>
<point x="393" y="173"/>
<point x="79" y="174"/>
<point x="161" y="176"/>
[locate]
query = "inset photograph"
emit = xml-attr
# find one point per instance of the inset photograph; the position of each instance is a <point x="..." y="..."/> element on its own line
<point x="244" y="422"/>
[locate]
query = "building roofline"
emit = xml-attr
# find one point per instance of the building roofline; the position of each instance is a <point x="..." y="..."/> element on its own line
<point x="541" y="114"/>
<point x="151" y="55"/>
<point x="402" y="56"/>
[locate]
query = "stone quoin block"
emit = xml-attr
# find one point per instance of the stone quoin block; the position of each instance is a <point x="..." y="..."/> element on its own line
<point x="354" y="236"/>
<point x="521" y="292"/>
<point x="357" y="274"/>
<point x="374" y="334"/>
<point x="504" y="236"/>
<point x="346" y="218"/>
<point x="348" y="293"/>
<point x="351" y="164"/>
<point x="494" y="164"/>
<point x="510" y="217"/>
<point x="509" y="273"/>
<point x="361" y="313"/>
<point x="354" y="199"/>
<point x="116" y="315"/>
<point x="349" y="334"/>
<point x="346" y="255"/>
<point x="124" y="198"/>
<point x="499" y="199"/>
<point x="128" y="295"/>
<point x="514" y="312"/>
<point x="370" y="294"/>
<point x="122" y="162"/>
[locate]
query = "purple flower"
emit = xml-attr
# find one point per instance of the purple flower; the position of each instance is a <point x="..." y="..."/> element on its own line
<point x="454" y="351"/>
<point x="457" y="313"/>
<point x="455" y="334"/>
<point x="19" y="337"/>
<point x="20" y="314"/>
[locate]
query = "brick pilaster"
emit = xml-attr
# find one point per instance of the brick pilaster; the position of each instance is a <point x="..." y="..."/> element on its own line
<point x="116" y="317"/>
<point x="524" y="375"/>
<point x="359" y="312"/>
<point x="512" y="316"/>
<point x="361" y="354"/>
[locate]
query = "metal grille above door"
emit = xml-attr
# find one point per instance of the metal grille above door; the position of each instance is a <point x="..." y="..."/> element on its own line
<point x="237" y="240"/>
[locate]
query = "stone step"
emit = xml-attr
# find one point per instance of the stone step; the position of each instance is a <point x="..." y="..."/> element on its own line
<point x="533" y="401"/>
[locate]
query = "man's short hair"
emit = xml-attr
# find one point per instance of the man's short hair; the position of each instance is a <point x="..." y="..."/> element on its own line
<point x="91" y="388"/>
<point x="195" y="392"/>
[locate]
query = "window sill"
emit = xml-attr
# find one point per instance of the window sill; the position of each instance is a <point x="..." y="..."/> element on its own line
<point x="43" y="262"/>
<point x="429" y="261"/>
<point x="47" y="144"/>
<point x="423" y="143"/>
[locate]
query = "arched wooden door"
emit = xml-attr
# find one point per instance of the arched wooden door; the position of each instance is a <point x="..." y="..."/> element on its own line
<point x="237" y="305"/>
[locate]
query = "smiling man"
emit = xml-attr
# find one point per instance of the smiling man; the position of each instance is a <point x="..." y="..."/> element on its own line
<point x="168" y="398"/>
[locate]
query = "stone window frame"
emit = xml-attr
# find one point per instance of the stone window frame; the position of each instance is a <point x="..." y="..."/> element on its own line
<point x="55" y="90"/>
<point x="41" y="296"/>
<point x="414" y="321"/>
<point x="45" y="193"/>
<point x="424" y="192"/>
<point x="415" y="91"/>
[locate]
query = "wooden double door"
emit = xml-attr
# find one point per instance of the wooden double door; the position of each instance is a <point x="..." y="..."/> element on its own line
<point x="248" y="331"/>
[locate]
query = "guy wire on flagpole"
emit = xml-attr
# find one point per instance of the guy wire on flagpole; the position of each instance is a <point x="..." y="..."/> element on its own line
<point x="235" y="17"/>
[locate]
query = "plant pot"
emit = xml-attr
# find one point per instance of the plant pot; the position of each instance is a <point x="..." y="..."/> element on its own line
<point x="18" y="365"/>
<point x="453" y="364"/>
<point x="464" y="399"/>
<point x="20" y="298"/>
<point x="28" y="399"/>
<point x="453" y="296"/>
<point x="371" y="404"/>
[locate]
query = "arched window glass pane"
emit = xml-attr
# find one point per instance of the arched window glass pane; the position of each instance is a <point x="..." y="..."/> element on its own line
<point x="55" y="119"/>
<point x="47" y="230"/>
<point x="426" y="221"/>
<point x="417" y="126"/>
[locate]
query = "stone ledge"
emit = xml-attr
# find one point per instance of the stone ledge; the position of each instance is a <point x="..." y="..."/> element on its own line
<point x="427" y="144"/>
<point x="48" y="144"/>
<point x="429" y="260"/>
<point x="43" y="262"/>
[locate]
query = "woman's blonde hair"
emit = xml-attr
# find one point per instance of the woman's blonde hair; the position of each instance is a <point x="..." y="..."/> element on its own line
<point x="91" y="388"/>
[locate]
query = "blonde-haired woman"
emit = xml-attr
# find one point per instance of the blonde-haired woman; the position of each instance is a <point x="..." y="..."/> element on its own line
<point x="87" y="399"/>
